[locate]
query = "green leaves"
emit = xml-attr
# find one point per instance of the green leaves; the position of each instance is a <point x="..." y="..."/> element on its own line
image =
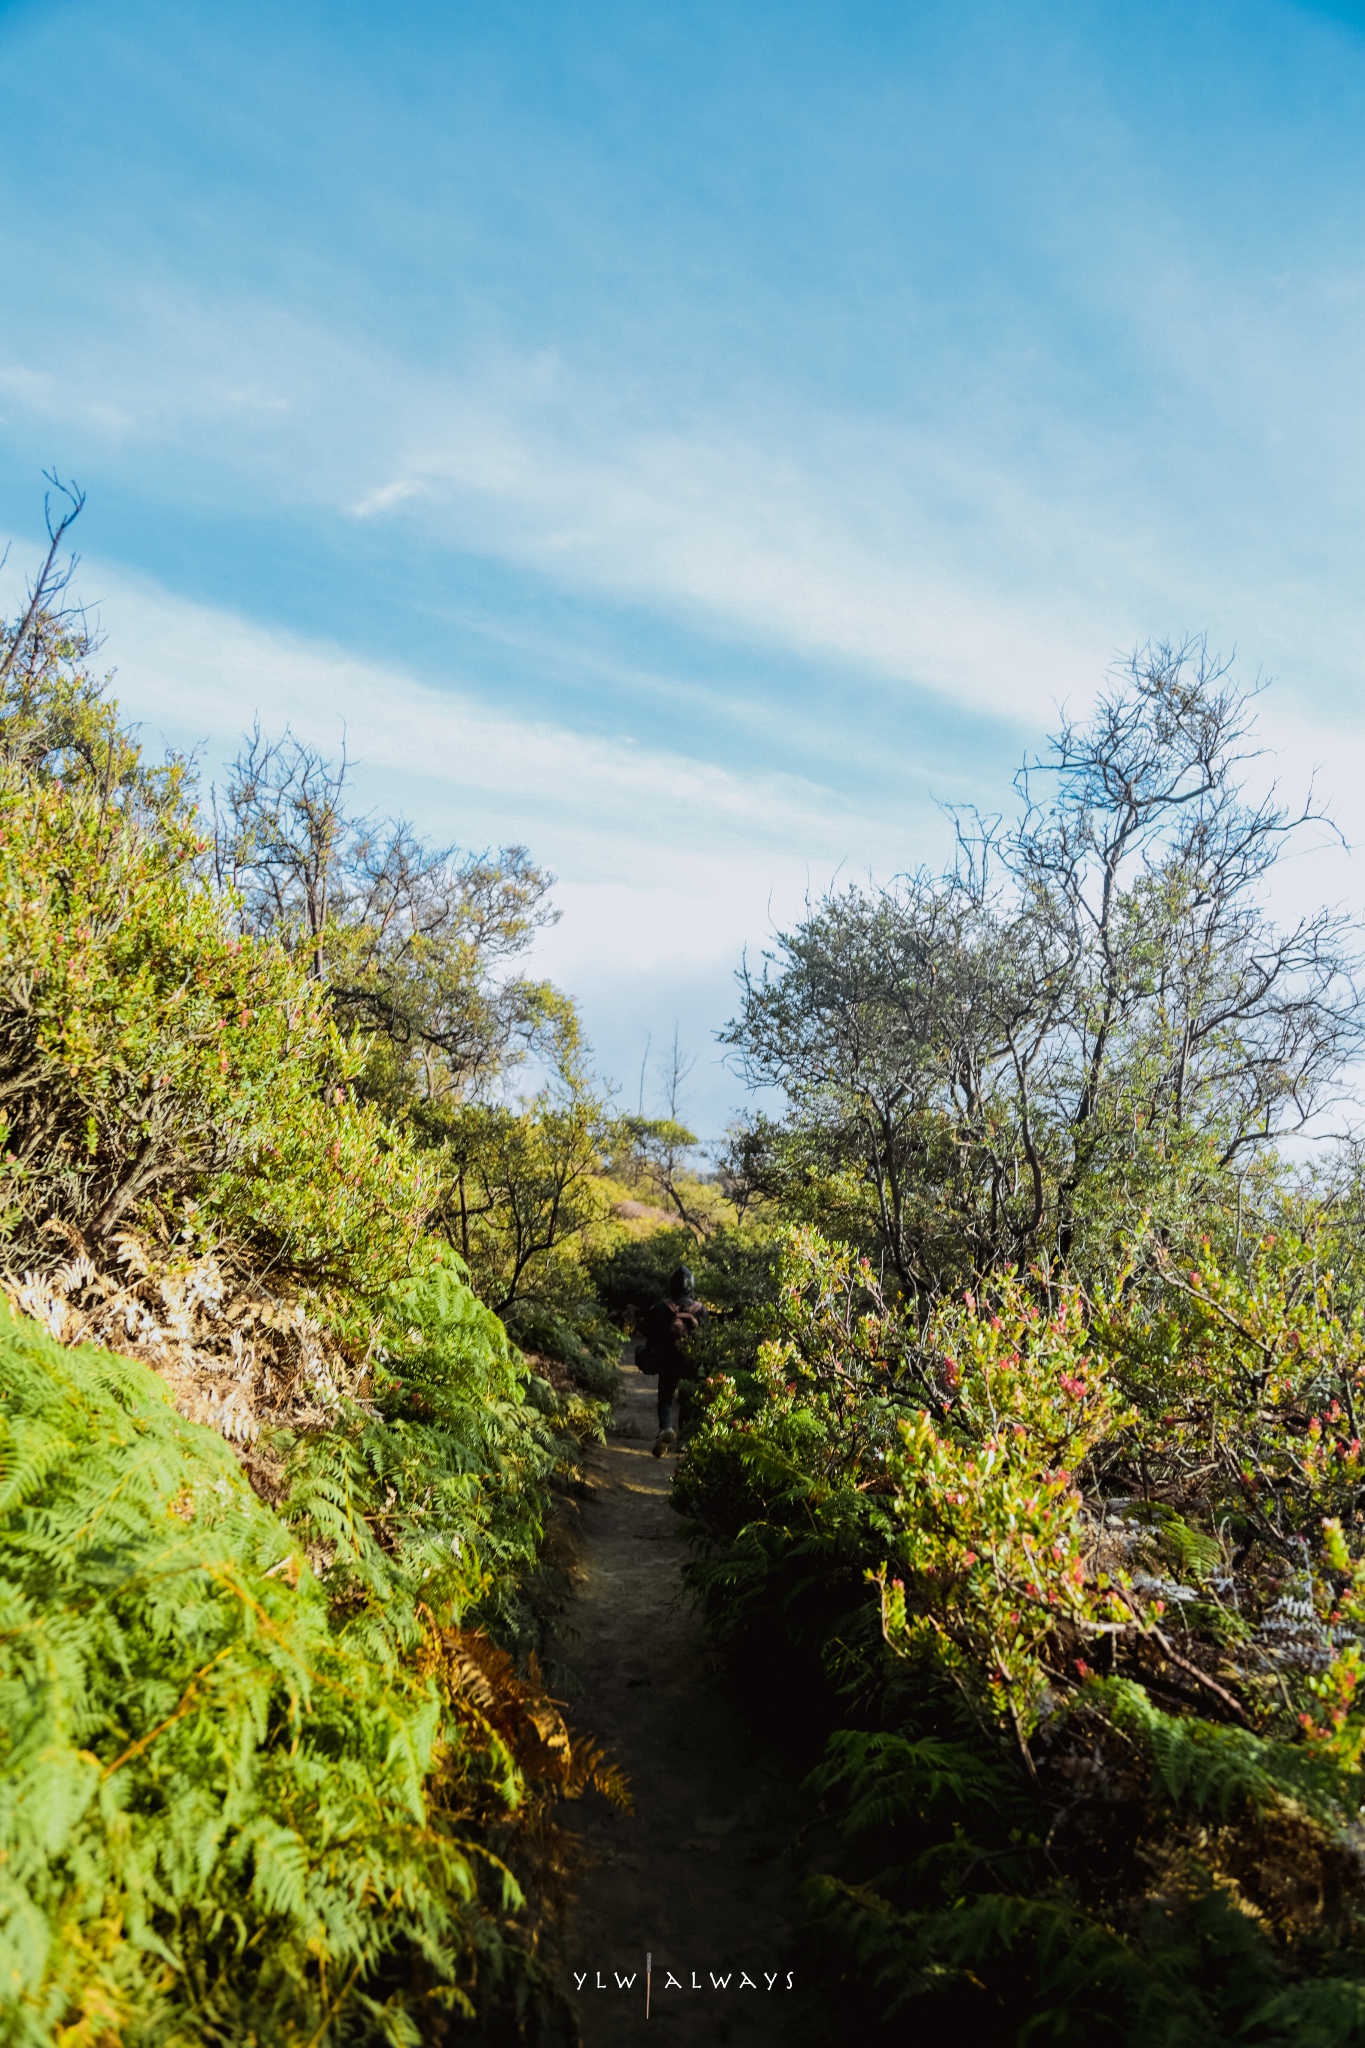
<point x="164" y="1696"/>
<point x="993" y="1540"/>
<point x="1216" y="1769"/>
<point x="228" y="1775"/>
<point x="1162" y="1486"/>
<point x="149" y="1053"/>
<point x="263" y="1776"/>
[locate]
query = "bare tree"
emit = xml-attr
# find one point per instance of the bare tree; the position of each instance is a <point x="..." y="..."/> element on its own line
<point x="660" y="1150"/>
<point x="1147" y="850"/>
<point x="24" y="646"/>
<point x="280" y="840"/>
<point x="412" y="940"/>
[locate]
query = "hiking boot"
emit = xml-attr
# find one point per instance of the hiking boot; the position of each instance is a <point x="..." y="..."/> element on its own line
<point x="663" y="1442"/>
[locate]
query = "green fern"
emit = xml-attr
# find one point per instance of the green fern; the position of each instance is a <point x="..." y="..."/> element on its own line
<point x="217" y="1810"/>
<point x="1214" y="1768"/>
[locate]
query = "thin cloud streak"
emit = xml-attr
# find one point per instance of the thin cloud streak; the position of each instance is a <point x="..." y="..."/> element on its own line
<point x="670" y="869"/>
<point x="199" y="676"/>
<point x="838" y="541"/>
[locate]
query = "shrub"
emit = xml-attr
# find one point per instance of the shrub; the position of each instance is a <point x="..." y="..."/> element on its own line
<point x="148" y="1055"/>
<point x="232" y="1802"/>
<point x="1094" y="1747"/>
<point x="278" y="1763"/>
<point x="576" y="1336"/>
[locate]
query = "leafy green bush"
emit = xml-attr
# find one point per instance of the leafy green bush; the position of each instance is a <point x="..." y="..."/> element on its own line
<point x="210" y="1794"/>
<point x="578" y="1336"/>
<point x="147" y="1054"/>
<point x="1100" y="1735"/>
<point x="633" y="1273"/>
<point x="279" y="1764"/>
<point x="244" y="1796"/>
<point x="733" y="1266"/>
<point x="435" y="1496"/>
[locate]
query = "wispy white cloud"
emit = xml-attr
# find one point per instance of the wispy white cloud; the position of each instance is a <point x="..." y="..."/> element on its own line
<point x="826" y="561"/>
<point x="670" y="867"/>
<point x="829" y="537"/>
<point x="201" y="673"/>
<point x="388" y="496"/>
<point x="930" y="556"/>
<point x="630" y="820"/>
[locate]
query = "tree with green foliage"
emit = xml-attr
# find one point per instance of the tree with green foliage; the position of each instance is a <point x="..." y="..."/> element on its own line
<point x="524" y="1181"/>
<point x="278" y="1763"/>
<point x="413" y="947"/>
<point x="1091" y="1015"/>
<point x="412" y="941"/>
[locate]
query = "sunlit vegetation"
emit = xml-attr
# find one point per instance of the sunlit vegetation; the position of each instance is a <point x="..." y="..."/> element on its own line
<point x="279" y="1761"/>
<point x="1036" y="1490"/>
<point x="1022" y="1464"/>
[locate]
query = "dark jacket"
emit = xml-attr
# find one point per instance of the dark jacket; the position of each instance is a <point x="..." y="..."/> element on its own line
<point x="666" y="1328"/>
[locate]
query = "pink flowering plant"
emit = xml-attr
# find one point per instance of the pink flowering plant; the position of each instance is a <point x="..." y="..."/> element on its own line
<point x="1249" y="1377"/>
<point x="1159" y="1484"/>
<point x="990" y="1559"/>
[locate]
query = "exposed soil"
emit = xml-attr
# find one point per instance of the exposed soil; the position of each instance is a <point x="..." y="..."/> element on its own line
<point x="699" y="1875"/>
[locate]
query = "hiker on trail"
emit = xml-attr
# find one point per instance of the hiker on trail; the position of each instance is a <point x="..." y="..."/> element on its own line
<point x="667" y="1327"/>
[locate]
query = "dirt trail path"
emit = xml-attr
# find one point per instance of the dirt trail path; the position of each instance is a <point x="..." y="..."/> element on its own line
<point x="696" y="1875"/>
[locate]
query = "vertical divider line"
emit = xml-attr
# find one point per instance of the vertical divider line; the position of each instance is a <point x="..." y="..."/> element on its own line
<point x="649" y="1966"/>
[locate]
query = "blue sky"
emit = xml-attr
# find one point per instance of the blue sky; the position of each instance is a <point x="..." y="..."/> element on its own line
<point x="692" y="439"/>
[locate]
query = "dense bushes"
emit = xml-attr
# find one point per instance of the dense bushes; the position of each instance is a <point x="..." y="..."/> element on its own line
<point x="1098" y="1768"/>
<point x="248" y="1795"/>
<point x="1043" y="1505"/>
<point x="1035" y="1511"/>
<point x="576" y="1335"/>
<point x="279" y="1762"/>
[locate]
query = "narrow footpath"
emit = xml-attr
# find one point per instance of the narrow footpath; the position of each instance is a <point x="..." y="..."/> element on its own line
<point x="697" y="1876"/>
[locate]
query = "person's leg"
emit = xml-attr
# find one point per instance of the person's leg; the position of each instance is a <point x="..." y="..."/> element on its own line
<point x="668" y="1387"/>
